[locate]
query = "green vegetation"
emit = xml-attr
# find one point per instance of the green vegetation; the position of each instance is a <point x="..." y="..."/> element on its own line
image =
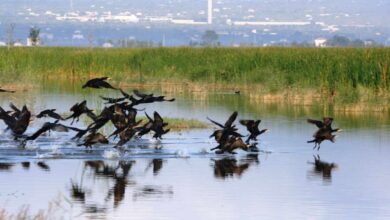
<point x="185" y="124"/>
<point x="178" y="124"/>
<point x="345" y="75"/>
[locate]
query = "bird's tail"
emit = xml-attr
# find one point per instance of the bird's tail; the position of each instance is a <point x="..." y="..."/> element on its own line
<point x="312" y="141"/>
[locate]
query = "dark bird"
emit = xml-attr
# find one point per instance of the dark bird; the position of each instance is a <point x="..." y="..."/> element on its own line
<point x="126" y="135"/>
<point x="49" y="113"/>
<point x="231" y="145"/>
<point x="158" y="126"/>
<point x="142" y="95"/>
<point x="119" y="119"/>
<point x="80" y="108"/>
<point x="49" y="126"/>
<point x="112" y="100"/>
<point x="253" y="127"/>
<point x="4" y="90"/>
<point x="128" y="127"/>
<point x="147" y="98"/>
<point x="19" y="124"/>
<point x="324" y="132"/>
<point x="98" y="83"/>
<point x="94" y="138"/>
<point x="101" y="120"/>
<point x="226" y="133"/>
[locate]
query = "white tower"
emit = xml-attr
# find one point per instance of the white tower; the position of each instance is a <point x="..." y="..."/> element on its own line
<point x="210" y="12"/>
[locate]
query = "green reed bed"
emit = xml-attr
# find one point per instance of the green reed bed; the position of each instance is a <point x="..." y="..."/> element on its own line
<point x="347" y="73"/>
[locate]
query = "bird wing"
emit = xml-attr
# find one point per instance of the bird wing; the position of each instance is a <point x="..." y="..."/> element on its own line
<point x="231" y="119"/>
<point x="319" y="124"/>
<point x="40" y="131"/>
<point x="139" y="94"/>
<point x="157" y="118"/>
<point x="126" y="95"/>
<point x="14" y="108"/>
<point x="220" y="125"/>
<point x="54" y="115"/>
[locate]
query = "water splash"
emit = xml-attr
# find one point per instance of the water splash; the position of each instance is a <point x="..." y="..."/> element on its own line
<point x="112" y="154"/>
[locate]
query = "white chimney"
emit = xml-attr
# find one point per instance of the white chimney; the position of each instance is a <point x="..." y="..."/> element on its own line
<point x="210" y="12"/>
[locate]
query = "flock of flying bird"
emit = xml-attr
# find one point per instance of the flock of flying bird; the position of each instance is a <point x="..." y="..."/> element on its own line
<point x="122" y="112"/>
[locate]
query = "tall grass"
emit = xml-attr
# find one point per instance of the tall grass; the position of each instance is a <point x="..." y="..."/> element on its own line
<point x="346" y="72"/>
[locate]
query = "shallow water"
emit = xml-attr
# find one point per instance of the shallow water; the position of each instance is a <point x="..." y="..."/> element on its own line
<point x="179" y="178"/>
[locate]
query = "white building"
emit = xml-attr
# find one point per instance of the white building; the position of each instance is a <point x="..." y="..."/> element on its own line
<point x="29" y="42"/>
<point x="18" y="44"/>
<point x="107" y="45"/>
<point x="320" y="42"/>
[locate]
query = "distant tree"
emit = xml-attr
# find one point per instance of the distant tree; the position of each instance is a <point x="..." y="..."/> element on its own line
<point x="210" y="38"/>
<point x="34" y="36"/>
<point x="339" y="41"/>
<point x="357" y="43"/>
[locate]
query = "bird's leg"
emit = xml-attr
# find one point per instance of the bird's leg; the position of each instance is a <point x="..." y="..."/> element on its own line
<point x="319" y="145"/>
<point x="315" y="145"/>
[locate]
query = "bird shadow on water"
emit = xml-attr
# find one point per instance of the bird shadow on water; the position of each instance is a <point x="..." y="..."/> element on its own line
<point x="321" y="169"/>
<point x="230" y="167"/>
<point x="120" y="182"/>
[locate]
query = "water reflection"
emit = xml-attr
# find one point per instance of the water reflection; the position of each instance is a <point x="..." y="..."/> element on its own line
<point x="156" y="164"/>
<point x="43" y="166"/>
<point x="153" y="192"/>
<point x="230" y="167"/>
<point x="77" y="192"/>
<point x="26" y="165"/>
<point x="322" y="168"/>
<point x="6" y="166"/>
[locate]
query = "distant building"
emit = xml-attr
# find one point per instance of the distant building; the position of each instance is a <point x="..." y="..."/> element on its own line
<point x="18" y="44"/>
<point x="29" y="42"/>
<point x="107" y="45"/>
<point x="320" y="42"/>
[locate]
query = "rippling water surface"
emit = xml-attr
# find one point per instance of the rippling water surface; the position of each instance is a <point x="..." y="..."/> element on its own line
<point x="179" y="178"/>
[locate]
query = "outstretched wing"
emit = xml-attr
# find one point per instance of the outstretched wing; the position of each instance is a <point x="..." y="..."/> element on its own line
<point x="319" y="124"/>
<point x="139" y="94"/>
<point x="157" y="118"/>
<point x="231" y="119"/>
<point x="220" y="125"/>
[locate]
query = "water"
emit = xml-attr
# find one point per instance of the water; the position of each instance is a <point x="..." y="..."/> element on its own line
<point x="179" y="178"/>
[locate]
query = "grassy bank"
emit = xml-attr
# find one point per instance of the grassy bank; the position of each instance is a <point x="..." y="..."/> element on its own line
<point x="344" y="75"/>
